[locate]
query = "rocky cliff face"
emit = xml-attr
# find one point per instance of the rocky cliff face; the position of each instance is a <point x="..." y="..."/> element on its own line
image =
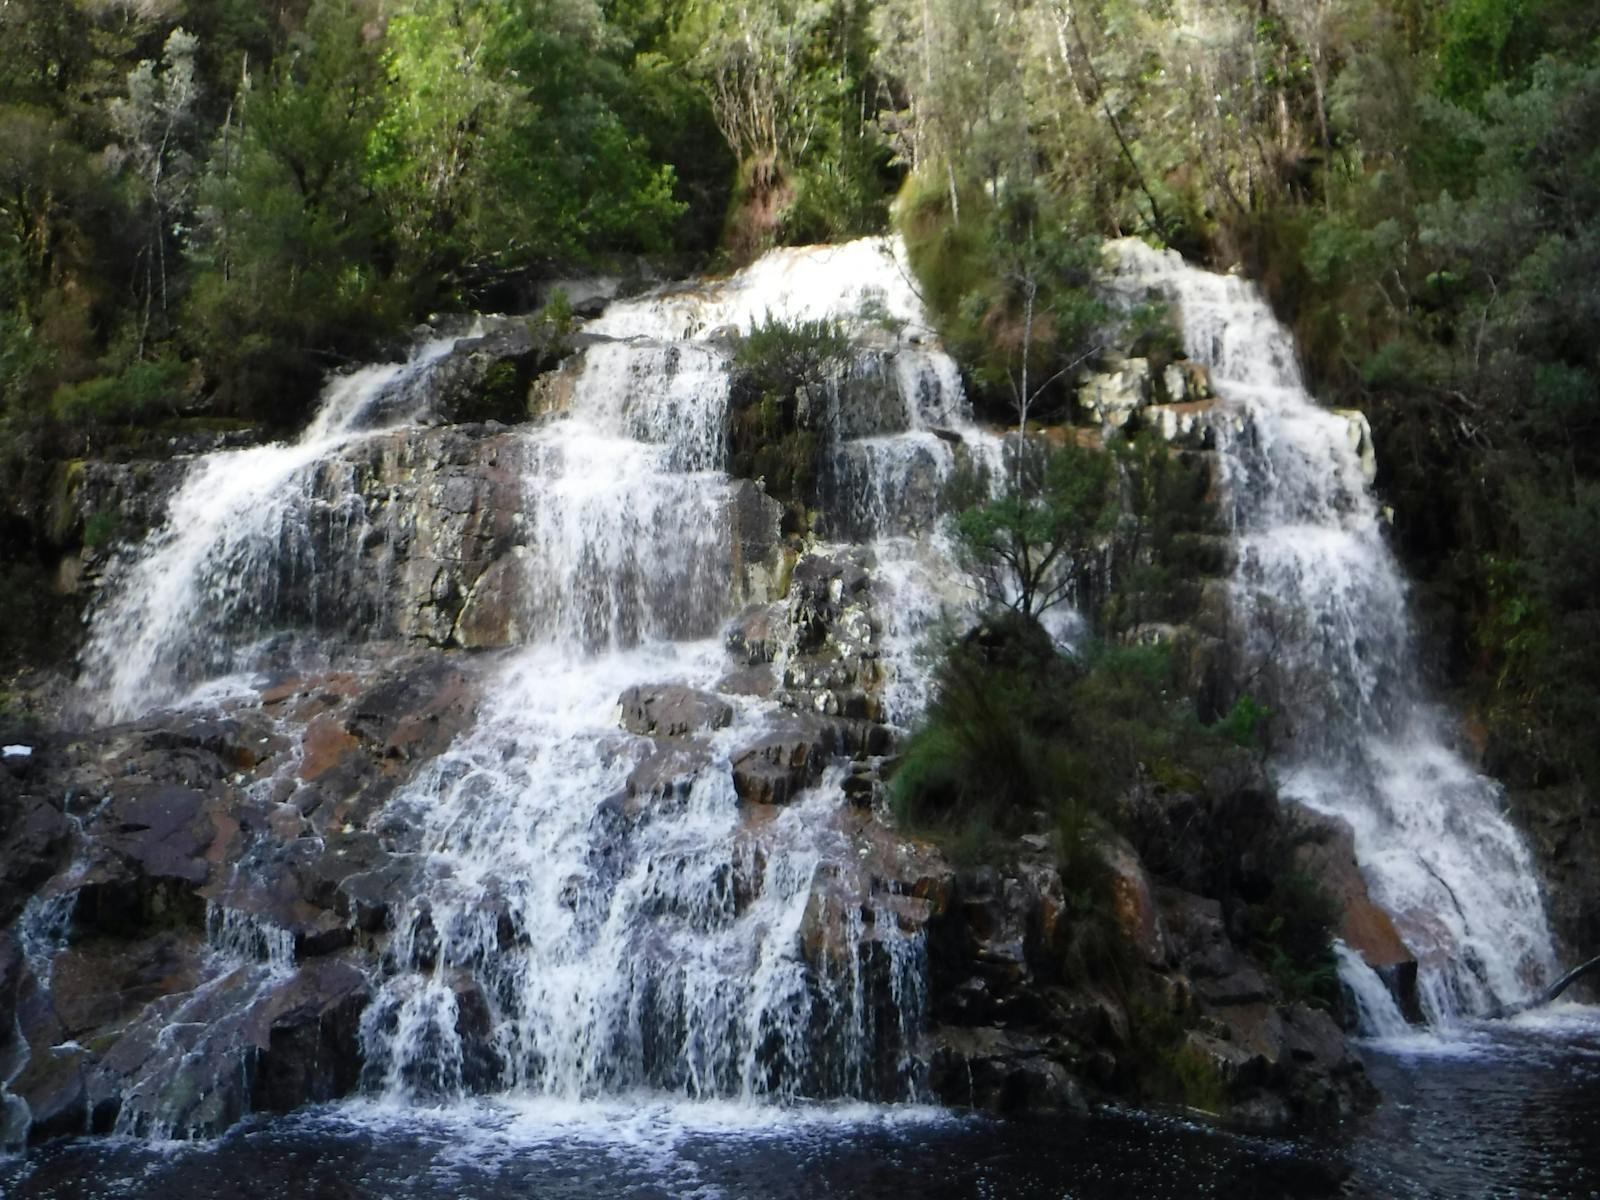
<point x="205" y="909"/>
<point x="200" y="906"/>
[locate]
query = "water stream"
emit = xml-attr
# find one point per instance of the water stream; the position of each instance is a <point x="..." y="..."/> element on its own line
<point x="236" y="551"/>
<point x="1324" y="633"/>
<point x="568" y="934"/>
<point x="667" y="942"/>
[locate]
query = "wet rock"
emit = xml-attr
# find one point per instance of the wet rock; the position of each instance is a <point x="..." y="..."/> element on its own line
<point x="490" y="613"/>
<point x="757" y="634"/>
<point x="754" y="521"/>
<point x="1134" y="905"/>
<point x="787" y="759"/>
<point x="1114" y="396"/>
<point x="194" y="1063"/>
<point x="55" y="1087"/>
<point x="99" y="981"/>
<point x="34" y="837"/>
<point x="672" y="710"/>
<point x="1198" y="935"/>
<point x="272" y="890"/>
<point x="238" y="743"/>
<point x="149" y="855"/>
<point x="662" y="778"/>
<point x="163" y="831"/>
<point x="416" y="712"/>
<point x="308" y="1039"/>
<point x="326" y="744"/>
<point x="1002" y="1071"/>
<point x="819" y="592"/>
<point x="1327" y="853"/>
<point x="757" y="681"/>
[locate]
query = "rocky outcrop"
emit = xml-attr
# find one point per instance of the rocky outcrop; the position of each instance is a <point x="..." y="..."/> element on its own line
<point x="1174" y="400"/>
<point x="672" y="711"/>
<point x="213" y="879"/>
<point x="1044" y="1002"/>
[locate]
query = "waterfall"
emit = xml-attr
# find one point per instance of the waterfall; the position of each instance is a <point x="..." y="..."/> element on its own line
<point x="576" y="932"/>
<point x="592" y="911"/>
<point x="1325" y="636"/>
<point x="234" y="560"/>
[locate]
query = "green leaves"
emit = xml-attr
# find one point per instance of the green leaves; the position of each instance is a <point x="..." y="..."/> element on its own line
<point x="1033" y="547"/>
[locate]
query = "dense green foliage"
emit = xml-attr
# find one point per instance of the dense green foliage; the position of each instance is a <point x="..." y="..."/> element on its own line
<point x="268" y="190"/>
<point x="1418" y="187"/>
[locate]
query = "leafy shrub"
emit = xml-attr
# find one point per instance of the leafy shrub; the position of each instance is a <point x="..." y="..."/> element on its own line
<point x="1291" y="931"/>
<point x="140" y="392"/>
<point x="777" y="358"/>
<point x="1010" y="286"/>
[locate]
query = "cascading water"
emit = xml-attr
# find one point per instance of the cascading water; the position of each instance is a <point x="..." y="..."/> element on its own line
<point x="578" y="933"/>
<point x="593" y="911"/>
<point x="1323" y="628"/>
<point x="235" y="553"/>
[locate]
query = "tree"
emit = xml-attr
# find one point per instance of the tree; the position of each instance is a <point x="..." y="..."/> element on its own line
<point x="290" y="240"/>
<point x="502" y="148"/>
<point x="793" y="89"/>
<point x="1035" y="546"/>
<point x="155" y="122"/>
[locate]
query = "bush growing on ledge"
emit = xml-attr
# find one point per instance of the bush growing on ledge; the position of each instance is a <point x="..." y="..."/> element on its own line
<point x="772" y="433"/>
<point x="1291" y="931"/>
<point x="140" y="392"/>
<point x="1017" y="728"/>
<point x="778" y="358"/>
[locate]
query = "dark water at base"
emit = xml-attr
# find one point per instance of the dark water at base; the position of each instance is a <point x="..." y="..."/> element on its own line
<point x="1508" y="1111"/>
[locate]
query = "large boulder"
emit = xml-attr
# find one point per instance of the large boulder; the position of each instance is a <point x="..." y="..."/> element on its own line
<point x="672" y="710"/>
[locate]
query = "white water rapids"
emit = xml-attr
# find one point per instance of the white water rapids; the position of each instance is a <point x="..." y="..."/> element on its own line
<point x="668" y="941"/>
<point x="1324" y="629"/>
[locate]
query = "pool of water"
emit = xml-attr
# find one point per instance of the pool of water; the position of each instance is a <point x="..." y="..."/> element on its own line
<point x="1505" y="1110"/>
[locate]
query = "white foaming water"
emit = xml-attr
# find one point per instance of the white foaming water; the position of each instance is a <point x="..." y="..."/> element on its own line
<point x="885" y="488"/>
<point x="677" y="393"/>
<point x="1377" y="1013"/>
<point x="594" y="913"/>
<point x="235" y="938"/>
<point x="610" y="942"/>
<point x="600" y="914"/>
<point x="865" y="281"/>
<point x="235" y="538"/>
<point x="1322" y="620"/>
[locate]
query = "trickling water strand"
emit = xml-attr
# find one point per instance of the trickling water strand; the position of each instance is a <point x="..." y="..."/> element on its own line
<point x="1377" y="1013"/>
<point x="235" y="937"/>
<point x="1323" y="625"/>
<point x="236" y="554"/>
